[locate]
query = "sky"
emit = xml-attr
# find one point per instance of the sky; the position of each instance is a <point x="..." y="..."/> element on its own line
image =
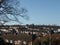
<point x="42" y="11"/>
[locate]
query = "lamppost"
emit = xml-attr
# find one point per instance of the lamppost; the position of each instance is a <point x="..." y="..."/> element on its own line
<point x="49" y="34"/>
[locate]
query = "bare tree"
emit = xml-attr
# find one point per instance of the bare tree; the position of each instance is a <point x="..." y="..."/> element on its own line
<point x="11" y="8"/>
